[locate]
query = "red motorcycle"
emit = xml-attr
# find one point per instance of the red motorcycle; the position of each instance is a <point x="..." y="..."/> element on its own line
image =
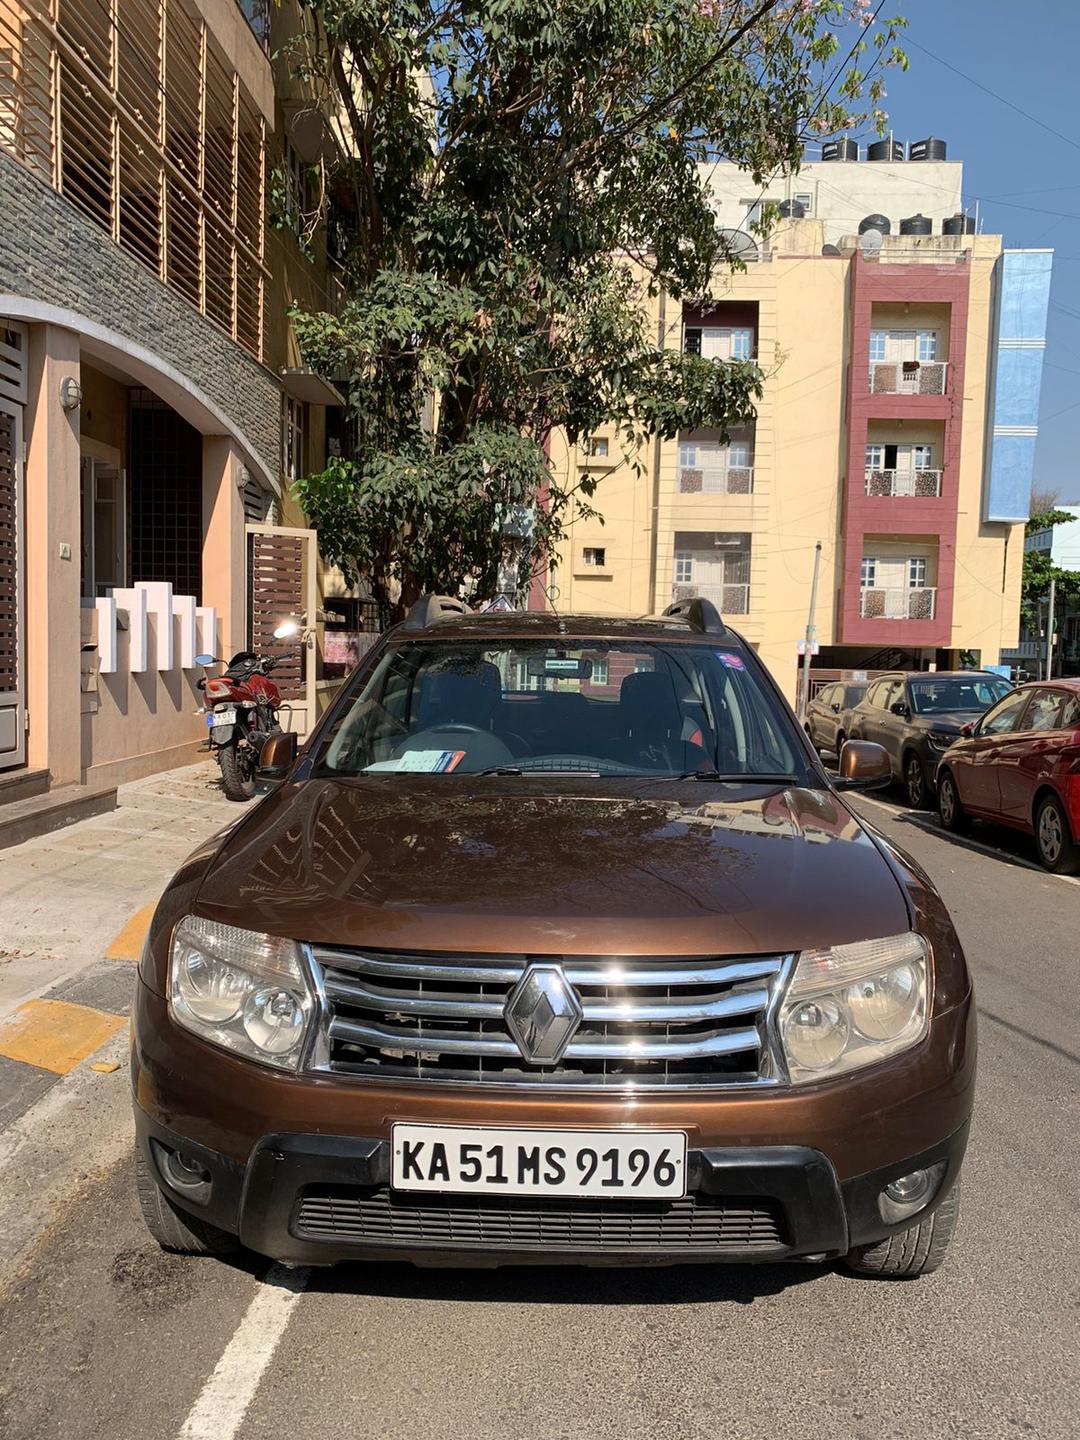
<point x="242" y="708"/>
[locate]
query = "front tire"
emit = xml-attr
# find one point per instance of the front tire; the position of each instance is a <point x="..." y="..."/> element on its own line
<point x="919" y="1250"/>
<point x="237" y="770"/>
<point x="915" y="783"/>
<point x="953" y="815"/>
<point x="174" y="1229"/>
<point x="1054" y="842"/>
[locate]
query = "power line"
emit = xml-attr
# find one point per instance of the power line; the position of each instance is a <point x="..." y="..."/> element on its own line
<point x="993" y="93"/>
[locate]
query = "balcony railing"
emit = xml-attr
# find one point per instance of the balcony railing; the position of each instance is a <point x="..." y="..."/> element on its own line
<point x="729" y="599"/>
<point x="898" y="602"/>
<point x="716" y="479"/>
<point x="918" y="483"/>
<point x="908" y="377"/>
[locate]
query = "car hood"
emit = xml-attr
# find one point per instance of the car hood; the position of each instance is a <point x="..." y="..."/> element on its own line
<point x="951" y="721"/>
<point x="716" y="869"/>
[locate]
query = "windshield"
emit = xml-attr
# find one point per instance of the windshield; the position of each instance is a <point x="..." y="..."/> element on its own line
<point x="934" y="697"/>
<point x="586" y="707"/>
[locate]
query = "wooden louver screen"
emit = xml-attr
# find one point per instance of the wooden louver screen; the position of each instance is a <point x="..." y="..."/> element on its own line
<point x="276" y="594"/>
<point x="9" y="577"/>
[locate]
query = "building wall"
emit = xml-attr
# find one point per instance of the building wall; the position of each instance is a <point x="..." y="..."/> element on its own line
<point x="815" y="312"/>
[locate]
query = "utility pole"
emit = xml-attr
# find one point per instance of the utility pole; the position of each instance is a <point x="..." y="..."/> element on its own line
<point x="804" y="688"/>
<point x="1050" y="631"/>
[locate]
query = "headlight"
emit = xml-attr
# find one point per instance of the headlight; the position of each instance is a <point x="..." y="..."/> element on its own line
<point x="854" y="1004"/>
<point x="942" y="739"/>
<point x="241" y="990"/>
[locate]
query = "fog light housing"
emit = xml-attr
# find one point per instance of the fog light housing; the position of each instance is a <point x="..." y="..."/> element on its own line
<point x="907" y="1194"/>
<point x="182" y="1172"/>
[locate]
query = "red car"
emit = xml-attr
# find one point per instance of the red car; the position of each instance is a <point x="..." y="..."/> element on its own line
<point x="1019" y="765"/>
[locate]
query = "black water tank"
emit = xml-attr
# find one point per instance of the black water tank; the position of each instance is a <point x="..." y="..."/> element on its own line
<point x="840" y="150"/>
<point x="958" y="225"/>
<point x="916" y="225"/>
<point x="875" y="222"/>
<point x="885" y="150"/>
<point x="929" y="149"/>
<point x="792" y="209"/>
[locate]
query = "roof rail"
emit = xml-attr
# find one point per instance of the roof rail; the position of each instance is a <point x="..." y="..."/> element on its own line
<point x="699" y="614"/>
<point x="430" y="609"/>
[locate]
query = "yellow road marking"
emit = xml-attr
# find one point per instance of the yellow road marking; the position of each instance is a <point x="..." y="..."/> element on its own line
<point x="54" y="1035"/>
<point x="128" y="944"/>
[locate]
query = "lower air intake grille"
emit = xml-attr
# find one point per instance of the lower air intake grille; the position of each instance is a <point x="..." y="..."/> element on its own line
<point x="720" y="1225"/>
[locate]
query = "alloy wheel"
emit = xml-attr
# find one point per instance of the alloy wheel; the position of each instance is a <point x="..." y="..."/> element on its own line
<point x="948" y="801"/>
<point x="1051" y="834"/>
<point x="916" y="784"/>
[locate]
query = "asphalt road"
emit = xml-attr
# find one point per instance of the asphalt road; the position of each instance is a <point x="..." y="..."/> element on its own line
<point x="104" y="1336"/>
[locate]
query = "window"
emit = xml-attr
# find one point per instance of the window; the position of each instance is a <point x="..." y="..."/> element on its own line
<point x="1042" y="713"/>
<point x="877" y="693"/>
<point x="293" y="458"/>
<point x="922" y="457"/>
<point x="594" y="556"/>
<point x="597" y="445"/>
<point x="879" y="341"/>
<point x="599" y="674"/>
<point x="688" y="454"/>
<point x="719" y="342"/>
<point x="927" y="345"/>
<point x="296" y="187"/>
<point x="440" y="707"/>
<point x="741" y="344"/>
<point x="869" y="572"/>
<point x="738" y="455"/>
<point x="1004" y="716"/>
<point x="104" y="527"/>
<point x="875" y="457"/>
<point x="751" y="212"/>
<point x="1070" y="713"/>
<point x="930" y="696"/>
<point x="806" y="200"/>
<point x="684" y="568"/>
<point x="916" y="572"/>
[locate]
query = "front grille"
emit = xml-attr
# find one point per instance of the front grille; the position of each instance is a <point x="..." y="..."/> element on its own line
<point x="645" y="1023"/>
<point x="717" y="1224"/>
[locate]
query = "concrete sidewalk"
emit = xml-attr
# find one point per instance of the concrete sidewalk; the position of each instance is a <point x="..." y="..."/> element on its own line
<point x="74" y="909"/>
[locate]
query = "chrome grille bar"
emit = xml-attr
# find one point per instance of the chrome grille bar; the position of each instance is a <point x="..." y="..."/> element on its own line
<point x="648" y="1022"/>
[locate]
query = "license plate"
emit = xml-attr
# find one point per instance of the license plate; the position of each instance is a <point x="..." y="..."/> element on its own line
<point x="463" y="1160"/>
<point x="223" y="717"/>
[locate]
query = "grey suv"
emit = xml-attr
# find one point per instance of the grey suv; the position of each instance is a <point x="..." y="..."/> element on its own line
<point x="917" y="716"/>
<point x="828" y="716"/>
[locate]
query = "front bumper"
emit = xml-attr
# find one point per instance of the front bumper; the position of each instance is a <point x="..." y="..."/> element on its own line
<point x="319" y="1199"/>
<point x="299" y="1165"/>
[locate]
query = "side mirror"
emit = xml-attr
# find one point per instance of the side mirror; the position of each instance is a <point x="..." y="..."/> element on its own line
<point x="863" y="766"/>
<point x="835" y="708"/>
<point x="206" y="660"/>
<point x="967" y="729"/>
<point x="898" y="707"/>
<point x="278" y="756"/>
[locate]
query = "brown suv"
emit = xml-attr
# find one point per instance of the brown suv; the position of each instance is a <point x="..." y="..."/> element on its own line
<point x="555" y="943"/>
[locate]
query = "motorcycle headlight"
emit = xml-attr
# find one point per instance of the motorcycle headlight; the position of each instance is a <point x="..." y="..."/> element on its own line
<point x="853" y="1005"/>
<point x="241" y="990"/>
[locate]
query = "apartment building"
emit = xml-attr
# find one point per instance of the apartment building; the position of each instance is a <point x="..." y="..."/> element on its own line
<point x="902" y="353"/>
<point x="153" y="408"/>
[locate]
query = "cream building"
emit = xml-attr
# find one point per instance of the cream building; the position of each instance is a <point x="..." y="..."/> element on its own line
<point x="897" y="428"/>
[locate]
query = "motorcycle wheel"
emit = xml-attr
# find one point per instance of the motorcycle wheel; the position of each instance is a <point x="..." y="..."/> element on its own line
<point x="237" y="770"/>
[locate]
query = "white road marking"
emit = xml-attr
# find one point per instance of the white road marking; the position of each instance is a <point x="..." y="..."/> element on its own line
<point x="932" y="828"/>
<point x="219" y="1411"/>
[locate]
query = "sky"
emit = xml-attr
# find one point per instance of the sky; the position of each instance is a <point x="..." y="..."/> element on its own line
<point x="1026" y="180"/>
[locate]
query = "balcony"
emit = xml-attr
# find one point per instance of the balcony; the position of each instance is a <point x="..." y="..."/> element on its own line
<point x="908" y="377"/>
<point x="728" y="599"/>
<point x="898" y="602"/>
<point x="921" y="484"/>
<point x="715" y="479"/>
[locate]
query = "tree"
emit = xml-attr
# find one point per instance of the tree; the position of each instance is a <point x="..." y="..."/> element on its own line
<point x="1039" y="570"/>
<point x="511" y="180"/>
<point x="1044" y="500"/>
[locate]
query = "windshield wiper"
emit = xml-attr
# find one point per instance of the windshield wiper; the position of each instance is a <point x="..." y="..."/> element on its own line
<point x="519" y="770"/>
<point x="749" y="777"/>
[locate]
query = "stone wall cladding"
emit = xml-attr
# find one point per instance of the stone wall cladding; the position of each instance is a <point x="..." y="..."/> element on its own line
<point x="49" y="252"/>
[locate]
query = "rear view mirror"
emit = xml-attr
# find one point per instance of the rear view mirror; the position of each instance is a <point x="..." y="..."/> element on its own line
<point x="899" y="708"/>
<point x="278" y="755"/>
<point x="967" y="729"/>
<point x="863" y="766"/>
<point x="205" y="659"/>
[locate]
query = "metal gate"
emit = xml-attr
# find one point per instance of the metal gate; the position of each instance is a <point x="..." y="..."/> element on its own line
<point x="281" y="586"/>
<point x="12" y="590"/>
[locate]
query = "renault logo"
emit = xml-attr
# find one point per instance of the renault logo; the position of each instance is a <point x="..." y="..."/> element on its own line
<point x="542" y="1014"/>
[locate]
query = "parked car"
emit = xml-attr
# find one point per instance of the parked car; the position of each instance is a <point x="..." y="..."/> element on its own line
<point x="555" y="944"/>
<point x="828" y="715"/>
<point x="918" y="715"/>
<point x="1019" y="765"/>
